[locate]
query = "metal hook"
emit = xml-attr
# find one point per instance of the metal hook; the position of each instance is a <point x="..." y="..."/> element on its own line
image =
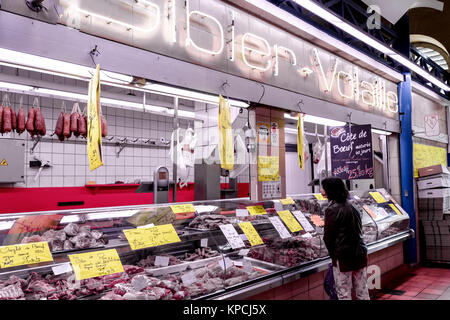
<point x="299" y="104"/>
<point x="264" y="92"/>
<point x="223" y="88"/>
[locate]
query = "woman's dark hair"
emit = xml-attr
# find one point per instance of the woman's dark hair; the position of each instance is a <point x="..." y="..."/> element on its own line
<point x="335" y="189"/>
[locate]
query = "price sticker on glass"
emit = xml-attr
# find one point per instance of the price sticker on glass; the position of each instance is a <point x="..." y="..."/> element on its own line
<point x="256" y="210"/>
<point x="22" y="254"/>
<point x="95" y="264"/>
<point x="251" y="233"/>
<point x="287" y="201"/>
<point x="151" y="237"/>
<point x="182" y="208"/>
<point x="290" y="221"/>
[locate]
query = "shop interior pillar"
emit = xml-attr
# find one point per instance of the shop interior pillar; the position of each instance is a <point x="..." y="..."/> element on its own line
<point x="406" y="164"/>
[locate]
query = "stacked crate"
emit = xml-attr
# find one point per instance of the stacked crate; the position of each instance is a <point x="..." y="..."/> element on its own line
<point x="434" y="211"/>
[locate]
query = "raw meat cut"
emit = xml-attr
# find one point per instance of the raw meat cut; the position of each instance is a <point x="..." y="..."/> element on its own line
<point x="20" y="121"/>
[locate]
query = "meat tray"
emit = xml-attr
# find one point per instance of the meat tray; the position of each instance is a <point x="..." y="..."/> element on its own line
<point x="169" y="269"/>
<point x="203" y="262"/>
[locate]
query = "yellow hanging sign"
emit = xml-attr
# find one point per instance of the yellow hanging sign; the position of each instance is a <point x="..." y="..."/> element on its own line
<point x="151" y="237"/>
<point x="182" y="208"/>
<point x="22" y="254"/>
<point x="268" y="168"/>
<point x="378" y="197"/>
<point x="94" y="130"/>
<point x="300" y="142"/>
<point x="290" y="221"/>
<point x="286" y="201"/>
<point x="226" y="147"/>
<point x="251" y="233"/>
<point x="256" y="210"/>
<point x="395" y="209"/>
<point x="95" y="264"/>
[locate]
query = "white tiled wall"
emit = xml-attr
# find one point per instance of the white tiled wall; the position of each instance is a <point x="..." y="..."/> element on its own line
<point x="69" y="158"/>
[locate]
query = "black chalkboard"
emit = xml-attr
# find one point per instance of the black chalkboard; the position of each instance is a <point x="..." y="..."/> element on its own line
<point x="351" y="152"/>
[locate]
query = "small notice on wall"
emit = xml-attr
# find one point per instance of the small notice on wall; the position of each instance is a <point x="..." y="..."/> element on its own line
<point x="268" y="168"/>
<point x="426" y="156"/>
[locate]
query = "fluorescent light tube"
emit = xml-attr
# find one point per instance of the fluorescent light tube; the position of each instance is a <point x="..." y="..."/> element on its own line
<point x="385" y="133"/>
<point x="15" y="87"/>
<point x="318" y="120"/>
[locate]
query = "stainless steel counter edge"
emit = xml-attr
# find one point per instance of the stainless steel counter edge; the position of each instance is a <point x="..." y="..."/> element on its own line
<point x="302" y="272"/>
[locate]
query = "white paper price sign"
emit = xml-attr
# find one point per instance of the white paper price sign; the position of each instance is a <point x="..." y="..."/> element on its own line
<point x="204" y="242"/>
<point x="225" y="263"/>
<point x="244" y="252"/>
<point x="279" y="226"/>
<point x="303" y="221"/>
<point x="241" y="213"/>
<point x="188" y="278"/>
<point x="63" y="268"/>
<point x="161" y="261"/>
<point x="234" y="239"/>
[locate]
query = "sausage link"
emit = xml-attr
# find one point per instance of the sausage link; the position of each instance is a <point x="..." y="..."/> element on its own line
<point x="60" y="125"/>
<point x="30" y="120"/>
<point x="20" y="121"/>
<point x="7" y="127"/>
<point x="66" y="128"/>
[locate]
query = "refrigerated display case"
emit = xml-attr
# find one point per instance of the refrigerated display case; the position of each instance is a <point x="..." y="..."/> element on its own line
<point x="202" y="253"/>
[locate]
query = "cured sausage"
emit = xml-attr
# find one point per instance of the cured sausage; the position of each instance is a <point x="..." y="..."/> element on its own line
<point x="7" y="127"/>
<point x="39" y="123"/>
<point x="104" y="127"/>
<point x="81" y="125"/>
<point x="66" y="127"/>
<point x="13" y="119"/>
<point x="1" y="119"/>
<point x="59" y="125"/>
<point x="30" y="121"/>
<point x="20" y="121"/>
<point x="74" y="124"/>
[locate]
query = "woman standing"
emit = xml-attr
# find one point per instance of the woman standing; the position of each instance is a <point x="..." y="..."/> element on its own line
<point x="344" y="241"/>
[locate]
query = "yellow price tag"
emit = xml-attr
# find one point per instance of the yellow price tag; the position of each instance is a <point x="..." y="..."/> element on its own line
<point x="290" y="221"/>
<point x="287" y="201"/>
<point x="95" y="264"/>
<point x="320" y="197"/>
<point x="151" y="237"/>
<point x="182" y="208"/>
<point x="22" y="254"/>
<point x="378" y="197"/>
<point x="251" y="233"/>
<point x="395" y="209"/>
<point x="256" y="210"/>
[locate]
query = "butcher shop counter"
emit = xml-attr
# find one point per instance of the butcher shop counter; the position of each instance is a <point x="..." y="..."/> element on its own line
<point x="223" y="249"/>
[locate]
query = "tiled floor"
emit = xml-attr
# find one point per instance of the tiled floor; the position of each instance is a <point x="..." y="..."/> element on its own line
<point x="423" y="284"/>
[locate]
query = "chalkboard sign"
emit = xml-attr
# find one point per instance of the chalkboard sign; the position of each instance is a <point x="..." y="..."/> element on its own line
<point x="351" y="152"/>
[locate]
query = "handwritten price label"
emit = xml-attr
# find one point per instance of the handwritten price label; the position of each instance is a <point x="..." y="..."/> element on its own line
<point x="22" y="254"/>
<point x="95" y="264"/>
<point x="378" y="197"/>
<point x="290" y="221"/>
<point x="287" y="201"/>
<point x="151" y="237"/>
<point x="256" y="210"/>
<point x="320" y="197"/>
<point x="251" y="233"/>
<point x="182" y="208"/>
<point x="370" y="211"/>
<point x="395" y="209"/>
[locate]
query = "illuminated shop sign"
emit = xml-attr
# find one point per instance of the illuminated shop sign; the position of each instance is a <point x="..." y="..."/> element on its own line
<point x="224" y="38"/>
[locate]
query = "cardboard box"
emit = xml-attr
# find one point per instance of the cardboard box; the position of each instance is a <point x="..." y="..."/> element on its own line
<point x="433" y="204"/>
<point x="437" y="240"/>
<point x="438" y="253"/>
<point x="431" y="215"/>
<point x="432" y="170"/>
<point x="431" y="182"/>
<point x="434" y="193"/>
<point x="436" y="227"/>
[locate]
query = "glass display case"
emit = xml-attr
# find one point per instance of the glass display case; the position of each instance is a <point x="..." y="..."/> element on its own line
<point x="172" y="251"/>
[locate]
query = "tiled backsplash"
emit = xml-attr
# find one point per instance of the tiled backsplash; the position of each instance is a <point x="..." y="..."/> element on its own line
<point x="69" y="164"/>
